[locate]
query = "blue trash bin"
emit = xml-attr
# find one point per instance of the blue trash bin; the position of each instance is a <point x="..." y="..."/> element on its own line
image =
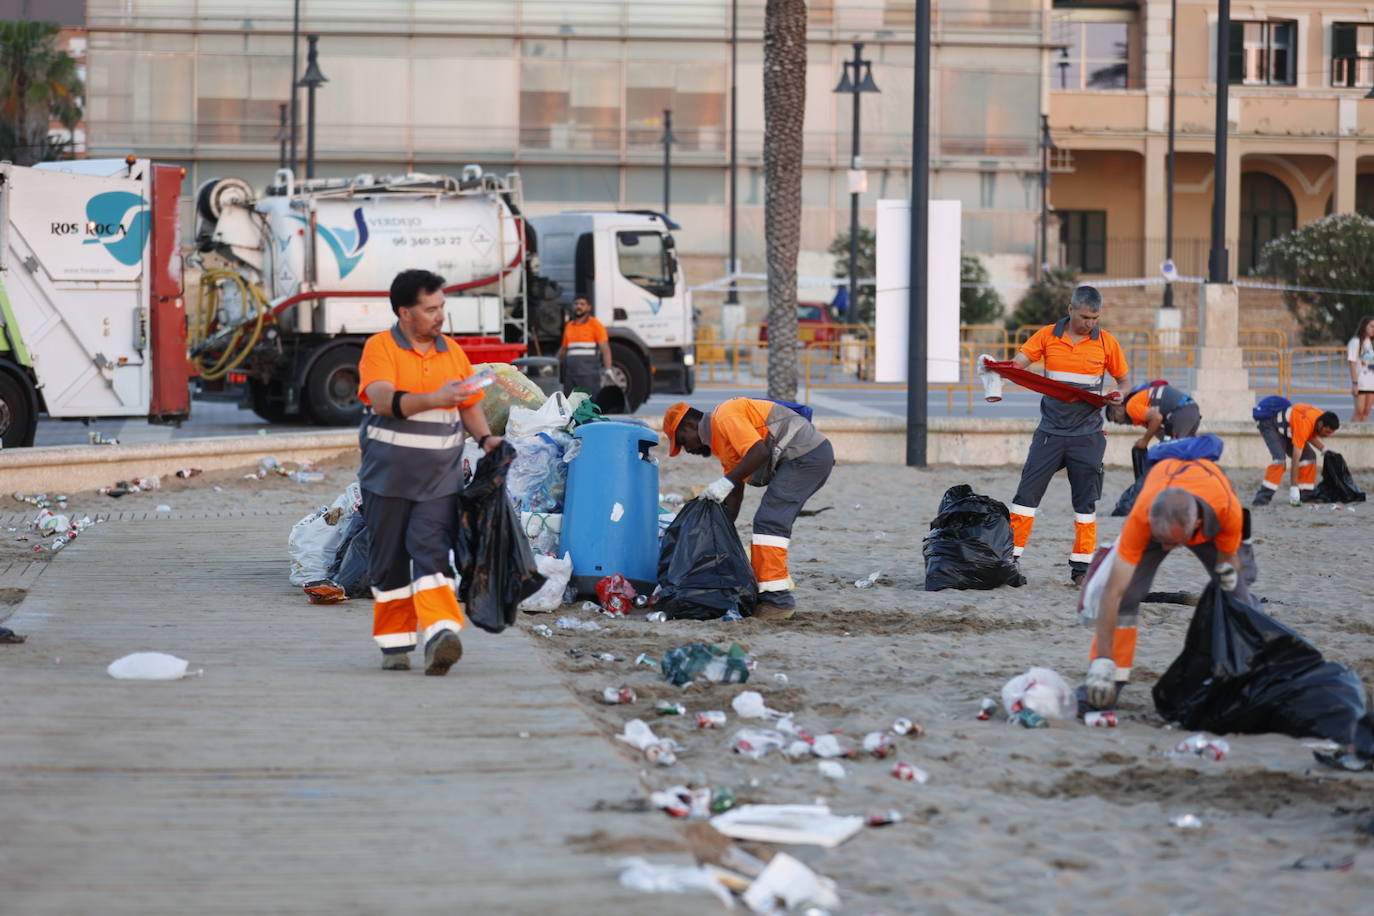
<point x="610" y="511"/>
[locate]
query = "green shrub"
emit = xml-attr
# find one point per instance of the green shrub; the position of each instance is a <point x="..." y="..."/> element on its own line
<point x="1336" y="252"/>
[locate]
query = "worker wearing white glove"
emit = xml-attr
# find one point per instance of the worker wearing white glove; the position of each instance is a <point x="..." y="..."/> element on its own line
<point x="1100" y="684"/>
<point x="1227" y="577"/>
<point x="1294" y="496"/>
<point x="1183" y="503"/>
<point x="717" y="490"/>
<point x="607" y="376"/>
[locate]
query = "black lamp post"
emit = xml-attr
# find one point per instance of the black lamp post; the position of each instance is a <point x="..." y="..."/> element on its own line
<point x="667" y="140"/>
<point x="1218" y="265"/>
<point x="295" y="68"/>
<point x="861" y="81"/>
<point x="311" y="81"/>
<point x="917" y="345"/>
<point x="1046" y="148"/>
<point x="1063" y="65"/>
<point x="283" y="135"/>
<point x="732" y="297"/>
<point x="1169" y="169"/>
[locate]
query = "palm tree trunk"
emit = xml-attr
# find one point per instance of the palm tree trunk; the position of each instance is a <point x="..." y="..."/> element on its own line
<point x="784" y="111"/>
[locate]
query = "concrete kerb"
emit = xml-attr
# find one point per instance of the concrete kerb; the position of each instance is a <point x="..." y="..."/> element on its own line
<point x="92" y="466"/>
<point x="967" y="441"/>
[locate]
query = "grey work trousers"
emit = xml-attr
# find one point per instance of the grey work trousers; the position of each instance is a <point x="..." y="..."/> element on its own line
<point x="794" y="482"/>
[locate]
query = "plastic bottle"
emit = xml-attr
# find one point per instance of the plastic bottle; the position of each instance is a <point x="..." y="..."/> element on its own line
<point x="307" y="476"/>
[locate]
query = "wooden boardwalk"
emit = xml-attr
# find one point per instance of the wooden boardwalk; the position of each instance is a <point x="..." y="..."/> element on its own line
<point x="294" y="776"/>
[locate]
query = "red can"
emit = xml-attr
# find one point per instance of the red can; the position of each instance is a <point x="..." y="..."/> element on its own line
<point x="713" y="718"/>
<point x="1106" y="719"/>
<point x="908" y="773"/>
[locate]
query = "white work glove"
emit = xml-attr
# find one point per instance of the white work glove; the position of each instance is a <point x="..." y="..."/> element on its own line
<point x="1226" y="577"/>
<point x="1294" y="497"/>
<point x="1100" y="684"/>
<point x="607" y="377"/>
<point x="717" y="490"/>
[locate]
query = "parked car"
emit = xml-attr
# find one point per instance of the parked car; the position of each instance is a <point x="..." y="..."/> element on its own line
<point x="815" y="325"/>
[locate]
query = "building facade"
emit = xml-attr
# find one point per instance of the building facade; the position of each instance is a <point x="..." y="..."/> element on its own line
<point x="1301" y="128"/>
<point x="571" y="94"/>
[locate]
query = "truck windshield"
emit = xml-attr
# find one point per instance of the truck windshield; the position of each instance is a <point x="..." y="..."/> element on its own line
<point x="645" y="261"/>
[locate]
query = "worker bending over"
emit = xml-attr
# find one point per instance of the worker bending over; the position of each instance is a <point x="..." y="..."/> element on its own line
<point x="1295" y="433"/>
<point x="411" y="473"/>
<point x="765" y="444"/>
<point x="1078" y="353"/>
<point x="586" y="349"/>
<point x="1186" y="502"/>
<point x="1163" y="410"/>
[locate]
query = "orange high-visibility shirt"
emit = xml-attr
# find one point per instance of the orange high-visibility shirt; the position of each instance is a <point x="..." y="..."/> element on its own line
<point x="590" y="331"/>
<point x="1203" y="479"/>
<point x="1302" y="424"/>
<point x="735" y="426"/>
<point x="389" y="357"/>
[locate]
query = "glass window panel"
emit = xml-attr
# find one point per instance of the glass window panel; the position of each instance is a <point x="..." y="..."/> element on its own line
<point x="1105" y="40"/>
<point x="691" y="185"/>
<point x="571" y="183"/>
<point x="643" y="259"/>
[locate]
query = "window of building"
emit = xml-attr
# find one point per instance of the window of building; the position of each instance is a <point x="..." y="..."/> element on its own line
<point x="1352" y="55"/>
<point x="1267" y="211"/>
<point x="1093" y="48"/>
<point x="1263" y="53"/>
<point x="1364" y="195"/>
<point x="1083" y="240"/>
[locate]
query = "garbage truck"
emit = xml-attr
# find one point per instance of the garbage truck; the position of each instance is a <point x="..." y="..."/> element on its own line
<point x="95" y="320"/>
<point x="300" y="274"/>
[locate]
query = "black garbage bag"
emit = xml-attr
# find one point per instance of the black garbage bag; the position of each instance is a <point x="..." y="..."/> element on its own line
<point x="1127" y="500"/>
<point x="1242" y="671"/>
<point x="970" y="543"/>
<point x="1337" y="485"/>
<point x="703" y="571"/>
<point x="349" y="567"/>
<point x="494" y="557"/>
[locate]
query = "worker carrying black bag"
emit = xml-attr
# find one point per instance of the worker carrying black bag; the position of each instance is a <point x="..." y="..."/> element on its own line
<point x="494" y="557"/>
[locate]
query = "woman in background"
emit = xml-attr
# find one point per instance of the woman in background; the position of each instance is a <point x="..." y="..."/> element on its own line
<point x="1360" y="352"/>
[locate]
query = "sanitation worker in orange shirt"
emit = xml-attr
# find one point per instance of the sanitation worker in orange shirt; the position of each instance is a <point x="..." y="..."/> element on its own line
<point x="1187" y="503"/>
<point x="411" y="472"/>
<point x="586" y="350"/>
<point x="1076" y="352"/>
<point x="765" y="444"/>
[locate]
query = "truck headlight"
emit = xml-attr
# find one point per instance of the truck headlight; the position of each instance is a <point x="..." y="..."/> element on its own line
<point x="689" y="360"/>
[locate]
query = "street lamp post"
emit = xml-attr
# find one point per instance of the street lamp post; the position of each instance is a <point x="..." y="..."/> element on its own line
<point x="917" y="381"/>
<point x="861" y="81"/>
<point x="311" y="81"/>
<point x="1063" y="65"/>
<point x="283" y="135"/>
<point x="732" y="297"/>
<point x="667" y="140"/>
<point x="1169" y="169"/>
<point x="1046" y="147"/>
<point x="1218" y="265"/>
<point x="295" y="68"/>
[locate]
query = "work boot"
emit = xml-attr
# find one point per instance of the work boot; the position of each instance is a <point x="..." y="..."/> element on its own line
<point x="325" y="591"/>
<point x="441" y="652"/>
<point x="1263" y="498"/>
<point x="395" y="661"/>
<point x="775" y="605"/>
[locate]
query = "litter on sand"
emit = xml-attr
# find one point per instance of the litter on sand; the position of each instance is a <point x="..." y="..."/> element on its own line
<point x="802" y="824"/>
<point x="150" y="666"/>
<point x="647" y="877"/>
<point x="790" y="882"/>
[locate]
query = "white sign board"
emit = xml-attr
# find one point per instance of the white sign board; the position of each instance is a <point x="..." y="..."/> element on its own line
<point x="942" y="290"/>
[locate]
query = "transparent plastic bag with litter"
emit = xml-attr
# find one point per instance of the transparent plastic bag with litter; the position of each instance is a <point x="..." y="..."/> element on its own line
<point x="1041" y="690"/>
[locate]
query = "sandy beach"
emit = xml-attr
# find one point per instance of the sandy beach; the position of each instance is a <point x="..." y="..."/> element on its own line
<point x="1065" y="819"/>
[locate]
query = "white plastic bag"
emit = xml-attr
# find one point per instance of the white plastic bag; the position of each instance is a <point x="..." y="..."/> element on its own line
<point x="992" y="382"/>
<point x="315" y="538"/>
<point x="649" y="878"/>
<point x="538" y="478"/>
<point x="1095" y="584"/>
<point x="1042" y="690"/>
<point x="750" y="705"/>
<point x="553" y="414"/>
<point x="790" y="881"/>
<point x="147" y="666"/>
<point x="556" y="574"/>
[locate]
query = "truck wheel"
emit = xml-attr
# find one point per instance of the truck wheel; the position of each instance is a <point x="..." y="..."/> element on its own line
<point x="331" y="389"/>
<point x="631" y="374"/>
<point x="689" y="379"/>
<point x="18" y="423"/>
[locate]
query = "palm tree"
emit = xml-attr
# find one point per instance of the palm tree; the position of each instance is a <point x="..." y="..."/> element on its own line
<point x="784" y="111"/>
<point x="38" y="84"/>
